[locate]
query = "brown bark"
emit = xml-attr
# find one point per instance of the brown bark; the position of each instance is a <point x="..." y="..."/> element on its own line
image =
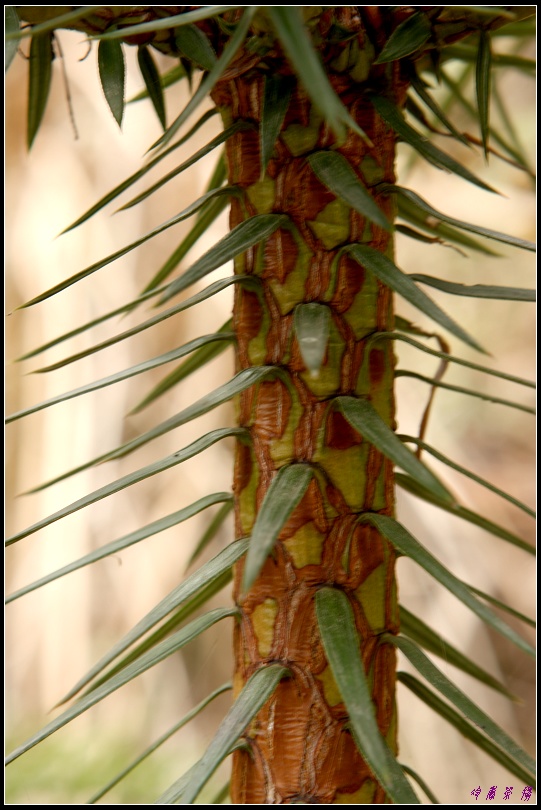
<point x="299" y="747"/>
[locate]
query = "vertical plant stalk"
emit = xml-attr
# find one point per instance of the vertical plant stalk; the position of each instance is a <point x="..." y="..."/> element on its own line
<point x="299" y="747"/>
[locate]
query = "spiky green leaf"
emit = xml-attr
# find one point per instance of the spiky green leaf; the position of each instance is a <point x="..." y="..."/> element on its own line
<point x="284" y="494"/>
<point x="341" y="644"/>
<point x="462" y="702"/>
<point x="451" y="358"/>
<point x="119" y="253"/>
<point x="407" y="38"/>
<point x="195" y="46"/>
<point x="180" y="595"/>
<point x="160" y="741"/>
<point x="193" y="363"/>
<point x="364" y="418"/>
<point x="276" y="100"/>
<point x="483" y="73"/>
<point x="421" y="782"/>
<point x="151" y="77"/>
<point x="124" y="542"/>
<point x="468" y="391"/>
<point x="246" y="235"/>
<point x="149" y="470"/>
<point x="52" y="24"/>
<point x="476" y="290"/>
<point x="420" y="88"/>
<point x="212" y="77"/>
<point x="222" y="137"/>
<point x="295" y="40"/>
<point x="468" y="473"/>
<point x="414" y="627"/>
<point x="416" y="488"/>
<point x="150" y="659"/>
<point x="395" y="119"/>
<point x="112" y="70"/>
<point x="463" y="726"/>
<point x="138" y="174"/>
<point x="335" y="172"/>
<point x="255" y="693"/>
<point x="207" y="215"/>
<point x="167" y="23"/>
<point x="391" y="275"/>
<point x="404" y="542"/>
<point x="39" y="82"/>
<point x="140" y="368"/>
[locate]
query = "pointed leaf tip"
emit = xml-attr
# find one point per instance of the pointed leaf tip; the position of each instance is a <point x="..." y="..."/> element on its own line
<point x="112" y="72"/>
<point x="39" y="82"/>
<point x="283" y="495"/>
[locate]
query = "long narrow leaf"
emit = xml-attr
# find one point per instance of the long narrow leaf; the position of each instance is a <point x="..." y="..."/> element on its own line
<point x="53" y="24"/>
<point x="414" y="627"/>
<point x="335" y="172"/>
<point x="476" y="290"/>
<point x="244" y="379"/>
<point x="420" y="443"/>
<point x="276" y="100"/>
<point x="208" y="292"/>
<point x="466" y="729"/>
<point x="195" y="46"/>
<point x="170" y="625"/>
<point x="417" y="489"/>
<point x="39" y="82"/>
<point x="462" y="702"/>
<point x="468" y="391"/>
<point x="63" y="285"/>
<point x="451" y="358"/>
<point x="284" y="494"/>
<point x="222" y="137"/>
<point x="155" y="656"/>
<point x="483" y="73"/>
<point x="387" y="272"/>
<point x="407" y="38"/>
<point x="404" y="542"/>
<point x="156" y="467"/>
<point x="244" y="236"/>
<point x="361" y="415"/>
<point x="213" y="76"/>
<point x="138" y="174"/>
<point x="112" y="71"/>
<point x="182" y="593"/>
<point x="207" y="215"/>
<point x="140" y="368"/>
<point x="151" y="78"/>
<point x="393" y="116"/>
<point x="211" y="531"/>
<point x="294" y="37"/>
<point x="160" y="741"/>
<point x="124" y="542"/>
<point x="167" y="23"/>
<point x="419" y="87"/>
<point x="193" y="363"/>
<point x="240" y="382"/>
<point x="255" y="693"/>
<point x="341" y="643"/>
<point x="422" y="784"/>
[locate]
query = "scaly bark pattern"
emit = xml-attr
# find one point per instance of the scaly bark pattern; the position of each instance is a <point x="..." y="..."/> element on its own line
<point x="300" y="749"/>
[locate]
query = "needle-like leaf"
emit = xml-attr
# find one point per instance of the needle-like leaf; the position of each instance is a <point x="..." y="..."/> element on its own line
<point x="341" y="643"/>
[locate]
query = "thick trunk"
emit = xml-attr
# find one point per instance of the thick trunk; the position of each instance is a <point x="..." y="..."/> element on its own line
<point x="300" y="748"/>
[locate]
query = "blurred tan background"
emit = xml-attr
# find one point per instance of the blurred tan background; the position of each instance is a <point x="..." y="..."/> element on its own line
<point x="55" y="634"/>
